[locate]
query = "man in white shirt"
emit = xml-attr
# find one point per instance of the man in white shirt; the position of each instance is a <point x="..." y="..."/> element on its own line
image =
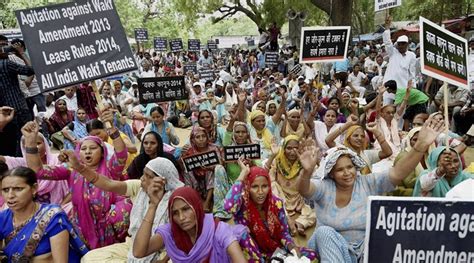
<point x="205" y="61"/>
<point x="122" y="98"/>
<point x="370" y="63"/>
<point x="70" y="98"/>
<point x="401" y="65"/>
<point x="358" y="80"/>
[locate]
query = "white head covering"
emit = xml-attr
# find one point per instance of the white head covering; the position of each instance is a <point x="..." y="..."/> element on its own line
<point x="164" y="168"/>
<point x="332" y="155"/>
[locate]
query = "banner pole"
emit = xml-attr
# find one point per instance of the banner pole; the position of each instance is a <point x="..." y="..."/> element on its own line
<point x="446" y="117"/>
<point x="100" y="105"/>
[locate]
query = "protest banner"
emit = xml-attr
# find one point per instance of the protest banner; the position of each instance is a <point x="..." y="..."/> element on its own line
<point x="296" y="69"/>
<point x="161" y="89"/>
<point x="443" y="54"/>
<point x="190" y="67"/>
<point x="419" y="229"/>
<point x="248" y="151"/>
<point x="201" y="160"/>
<point x="271" y="59"/>
<point x="176" y="45"/>
<point x="74" y="42"/>
<point x="386" y="4"/>
<point x="141" y="34"/>
<point x="160" y="44"/>
<point x="324" y="44"/>
<point x="206" y="74"/>
<point x="194" y="45"/>
<point x="211" y="45"/>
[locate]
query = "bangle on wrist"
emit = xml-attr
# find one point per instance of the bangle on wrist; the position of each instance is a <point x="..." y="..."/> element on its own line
<point x="114" y="135"/>
<point x="81" y="168"/>
<point x="31" y="150"/>
<point x="95" y="179"/>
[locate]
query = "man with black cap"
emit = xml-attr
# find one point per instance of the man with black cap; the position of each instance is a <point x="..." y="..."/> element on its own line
<point x="401" y="65"/>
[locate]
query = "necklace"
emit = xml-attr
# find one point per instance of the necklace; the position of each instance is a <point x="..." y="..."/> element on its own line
<point x="22" y="224"/>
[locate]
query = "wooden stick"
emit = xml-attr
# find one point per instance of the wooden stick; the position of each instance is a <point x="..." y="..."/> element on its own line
<point x="100" y="105"/>
<point x="446" y="117"/>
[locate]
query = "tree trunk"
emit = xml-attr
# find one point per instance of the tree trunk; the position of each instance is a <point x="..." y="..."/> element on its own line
<point x="339" y="11"/>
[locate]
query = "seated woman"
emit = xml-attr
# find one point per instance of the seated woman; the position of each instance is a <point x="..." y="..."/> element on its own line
<point x="443" y="173"/>
<point x="252" y="204"/>
<point x="407" y="185"/>
<point x="161" y="126"/>
<point x="155" y="170"/>
<point x="332" y="104"/>
<point x="341" y="197"/>
<point x="260" y="133"/>
<point x="207" y="122"/>
<point x="97" y="128"/>
<point x="202" y="179"/>
<point x="100" y="216"/>
<point x="34" y="232"/>
<point x="152" y="146"/>
<point x="285" y="168"/>
<point x="356" y="140"/>
<point x="50" y="192"/>
<point x="322" y="129"/>
<point x="295" y="124"/>
<point x="60" y="118"/>
<point x="192" y="235"/>
<point x="75" y="130"/>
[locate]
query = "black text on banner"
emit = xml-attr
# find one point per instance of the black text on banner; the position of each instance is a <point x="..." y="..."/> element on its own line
<point x="248" y="151"/>
<point x="75" y="42"/>
<point x="161" y="89"/>
<point x="386" y="4"/>
<point x="201" y="160"/>
<point x="176" y="45"/>
<point x="419" y="230"/>
<point x="324" y="44"/>
<point x="271" y="59"/>
<point x="141" y="34"/>
<point x="443" y="54"/>
<point x="194" y="45"/>
<point x="160" y="44"/>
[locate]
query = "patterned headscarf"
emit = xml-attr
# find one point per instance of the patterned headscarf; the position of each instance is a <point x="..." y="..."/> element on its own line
<point x="333" y="154"/>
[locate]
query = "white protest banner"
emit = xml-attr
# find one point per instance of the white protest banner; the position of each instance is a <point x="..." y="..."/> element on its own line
<point x="386" y="4"/>
<point x="75" y="42"/>
<point x="419" y="229"/>
<point x="324" y="44"/>
<point x="443" y="54"/>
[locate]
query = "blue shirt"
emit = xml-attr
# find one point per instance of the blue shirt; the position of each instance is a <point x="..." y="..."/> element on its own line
<point x="341" y="66"/>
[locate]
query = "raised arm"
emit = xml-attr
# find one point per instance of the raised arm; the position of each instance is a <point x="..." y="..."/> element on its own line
<point x="281" y="109"/>
<point x="378" y="104"/>
<point x="386" y="150"/>
<point x="403" y="105"/>
<point x="30" y="132"/>
<point x="309" y="161"/>
<point x="147" y="244"/>
<point x="233" y="199"/>
<point x="427" y="135"/>
<point x="240" y="112"/>
<point x="331" y="137"/>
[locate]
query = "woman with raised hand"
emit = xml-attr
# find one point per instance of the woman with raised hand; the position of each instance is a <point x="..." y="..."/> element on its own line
<point x="31" y="231"/>
<point x="355" y="139"/>
<point x="161" y="126"/>
<point x="191" y="235"/>
<point x="444" y="172"/>
<point x="284" y="171"/>
<point x="341" y="197"/>
<point x="99" y="215"/>
<point x="154" y="172"/>
<point x="251" y="202"/>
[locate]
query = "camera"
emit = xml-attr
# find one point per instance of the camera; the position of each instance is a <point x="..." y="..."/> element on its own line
<point x="7" y="49"/>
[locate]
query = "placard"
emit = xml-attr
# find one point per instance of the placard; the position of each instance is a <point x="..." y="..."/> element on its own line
<point x="249" y="151"/>
<point x="75" y="42"/>
<point x="141" y="34"/>
<point x="324" y="44"/>
<point x="201" y="160"/>
<point x="194" y="45"/>
<point x="161" y="89"/>
<point x="176" y="45"/>
<point x="443" y="54"/>
<point x="386" y="4"/>
<point x="190" y="67"/>
<point x="419" y="229"/>
<point x="160" y="44"/>
<point x="206" y="74"/>
<point x="212" y="45"/>
<point x="297" y="70"/>
<point x="271" y="59"/>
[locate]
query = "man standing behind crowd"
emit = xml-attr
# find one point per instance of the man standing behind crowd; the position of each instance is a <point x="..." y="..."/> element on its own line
<point x="401" y="65"/>
<point x="13" y="97"/>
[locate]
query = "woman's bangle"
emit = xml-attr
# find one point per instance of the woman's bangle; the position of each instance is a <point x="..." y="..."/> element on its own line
<point x="147" y="220"/>
<point x="381" y="142"/>
<point x="81" y="169"/>
<point x="95" y="179"/>
<point x="31" y="150"/>
<point x="115" y="134"/>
